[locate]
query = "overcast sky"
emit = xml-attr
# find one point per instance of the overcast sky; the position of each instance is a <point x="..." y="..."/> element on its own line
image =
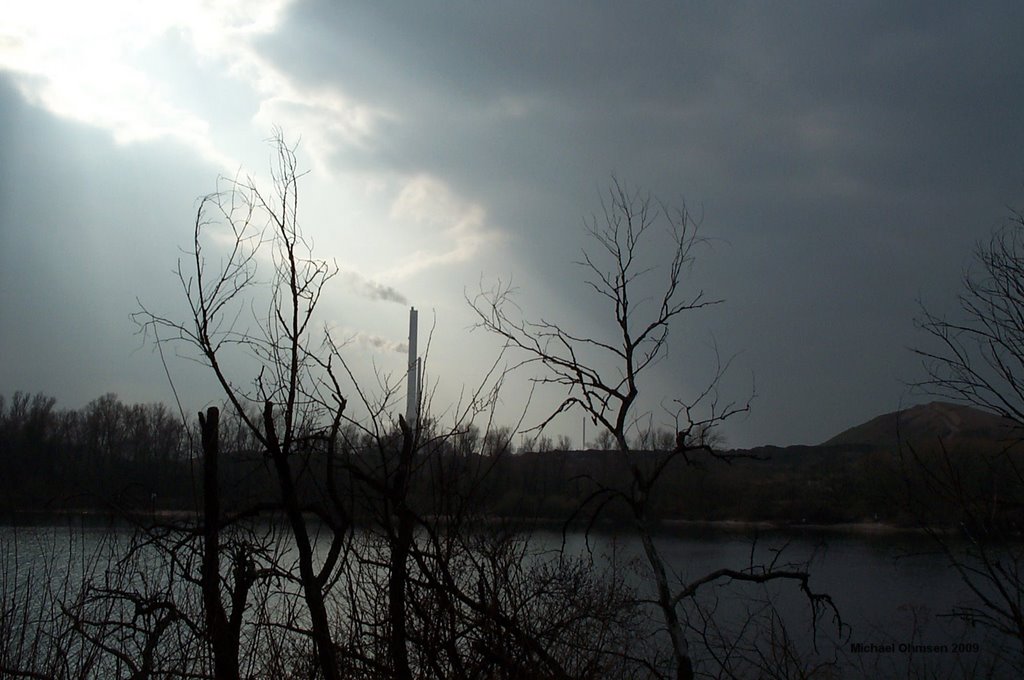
<point x="844" y="157"/>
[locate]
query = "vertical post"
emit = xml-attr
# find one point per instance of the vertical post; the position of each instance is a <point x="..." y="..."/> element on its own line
<point x="223" y="641"/>
<point x="412" y="391"/>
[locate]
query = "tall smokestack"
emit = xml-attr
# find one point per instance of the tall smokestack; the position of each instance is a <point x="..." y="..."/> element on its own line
<point x="412" y="397"/>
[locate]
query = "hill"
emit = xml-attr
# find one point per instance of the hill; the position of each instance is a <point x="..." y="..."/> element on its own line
<point x="942" y="421"/>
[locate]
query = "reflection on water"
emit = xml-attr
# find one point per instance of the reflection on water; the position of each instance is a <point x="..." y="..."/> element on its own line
<point x="894" y="593"/>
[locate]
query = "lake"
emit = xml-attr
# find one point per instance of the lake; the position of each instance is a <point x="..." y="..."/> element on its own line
<point x="894" y="592"/>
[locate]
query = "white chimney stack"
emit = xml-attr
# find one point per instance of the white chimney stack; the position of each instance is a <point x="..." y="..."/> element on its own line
<point x="412" y="398"/>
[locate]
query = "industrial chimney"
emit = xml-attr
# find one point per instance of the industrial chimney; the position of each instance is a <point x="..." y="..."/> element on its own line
<point x="412" y="398"/>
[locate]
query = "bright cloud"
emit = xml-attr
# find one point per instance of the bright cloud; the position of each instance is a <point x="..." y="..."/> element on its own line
<point x="86" y="62"/>
<point x="458" y="227"/>
<point x="107" y="64"/>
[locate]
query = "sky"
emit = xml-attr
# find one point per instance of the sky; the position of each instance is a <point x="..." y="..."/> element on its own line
<point x="843" y="159"/>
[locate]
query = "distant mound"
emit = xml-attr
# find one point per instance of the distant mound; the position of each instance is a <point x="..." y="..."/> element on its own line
<point x="950" y="423"/>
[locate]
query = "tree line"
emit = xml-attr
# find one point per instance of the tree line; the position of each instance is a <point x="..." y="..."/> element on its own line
<point x="110" y="456"/>
<point x="105" y="453"/>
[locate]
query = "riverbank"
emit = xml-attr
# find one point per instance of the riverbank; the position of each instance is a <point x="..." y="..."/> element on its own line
<point x="100" y="516"/>
<point x="748" y="526"/>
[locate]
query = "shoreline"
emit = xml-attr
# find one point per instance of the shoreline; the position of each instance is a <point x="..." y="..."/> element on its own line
<point x="18" y="517"/>
<point x="865" y="527"/>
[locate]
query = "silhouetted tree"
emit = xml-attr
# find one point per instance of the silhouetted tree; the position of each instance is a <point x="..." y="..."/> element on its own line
<point x="424" y="587"/>
<point x="976" y="356"/>
<point x="602" y="376"/>
<point x="604" y="441"/>
<point x="290" y="377"/>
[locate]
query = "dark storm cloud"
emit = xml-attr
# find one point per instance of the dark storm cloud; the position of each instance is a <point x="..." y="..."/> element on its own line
<point x="845" y="158"/>
<point x="848" y="154"/>
<point x="751" y="102"/>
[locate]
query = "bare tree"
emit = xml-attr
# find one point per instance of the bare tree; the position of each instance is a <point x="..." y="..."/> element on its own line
<point x="292" y="387"/>
<point x="976" y="357"/>
<point x="425" y="584"/>
<point x="604" y="441"/>
<point x="602" y="376"/>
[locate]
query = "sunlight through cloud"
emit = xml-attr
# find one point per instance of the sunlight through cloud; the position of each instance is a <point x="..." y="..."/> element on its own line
<point x="455" y="229"/>
<point x="88" y="62"/>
